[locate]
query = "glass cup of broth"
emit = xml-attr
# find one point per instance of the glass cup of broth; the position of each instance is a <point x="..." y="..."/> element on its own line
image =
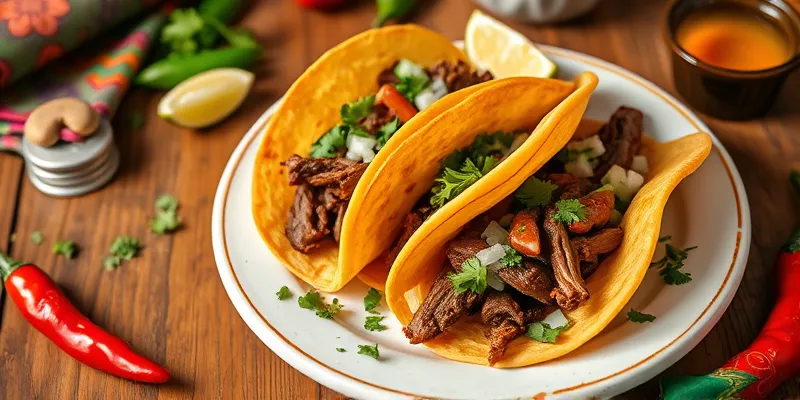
<point x="731" y="57"/>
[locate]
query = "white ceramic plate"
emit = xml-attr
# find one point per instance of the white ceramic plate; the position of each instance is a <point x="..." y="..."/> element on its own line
<point x="709" y="210"/>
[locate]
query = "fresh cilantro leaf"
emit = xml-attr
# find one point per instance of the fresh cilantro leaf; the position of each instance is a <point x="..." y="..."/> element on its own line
<point x="111" y="262"/>
<point x="569" y="211"/>
<point x="65" y="248"/>
<point x="329" y="144"/>
<point x="639" y="317"/>
<point x="330" y="310"/>
<point x="354" y="130"/>
<point x="185" y="29"/>
<point x="664" y="239"/>
<point x="125" y="247"/>
<point x="135" y="121"/>
<point x="486" y="163"/>
<point x="411" y="85"/>
<point x="352" y="113"/>
<point x="534" y="192"/>
<point x="340" y="350"/>
<point x="236" y="37"/>
<point x="37" y="237"/>
<point x="166" y="202"/>
<point x="372" y="300"/>
<point x="543" y="332"/>
<point x="314" y="301"/>
<point x="670" y="265"/>
<point x="283" y="293"/>
<point x="385" y="132"/>
<point x="567" y="155"/>
<point x="311" y="301"/>
<point x="373" y="323"/>
<point x="511" y="259"/>
<point x="367" y="350"/>
<point x="454" y="182"/>
<point x="472" y="277"/>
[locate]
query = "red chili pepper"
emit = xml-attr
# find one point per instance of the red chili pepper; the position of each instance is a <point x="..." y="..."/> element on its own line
<point x="43" y="304"/>
<point x="775" y="354"/>
<point x="391" y="98"/>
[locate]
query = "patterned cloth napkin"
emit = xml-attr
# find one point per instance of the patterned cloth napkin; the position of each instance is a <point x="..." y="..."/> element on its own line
<point x="34" y="32"/>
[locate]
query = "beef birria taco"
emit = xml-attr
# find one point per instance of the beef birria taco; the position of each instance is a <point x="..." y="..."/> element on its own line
<point x="569" y="240"/>
<point x="342" y="120"/>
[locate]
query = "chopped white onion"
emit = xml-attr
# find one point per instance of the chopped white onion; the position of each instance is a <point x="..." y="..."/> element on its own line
<point x="519" y="140"/>
<point x="556" y="319"/>
<point x="491" y="255"/>
<point x="639" y="164"/>
<point x="592" y="142"/>
<point x="506" y="221"/>
<point x="431" y="94"/>
<point x="406" y="68"/>
<point x="625" y="183"/>
<point x="360" y="148"/>
<point x="492" y="278"/>
<point x="580" y="167"/>
<point x="494" y="234"/>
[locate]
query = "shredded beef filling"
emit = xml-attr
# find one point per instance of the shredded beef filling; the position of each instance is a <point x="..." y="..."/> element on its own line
<point x="324" y="188"/>
<point x="571" y="290"/>
<point x="458" y="76"/>
<point x="380" y="116"/>
<point x="590" y="247"/>
<point x="411" y="223"/>
<point x="506" y="321"/>
<point x="622" y="138"/>
<point x="530" y="279"/>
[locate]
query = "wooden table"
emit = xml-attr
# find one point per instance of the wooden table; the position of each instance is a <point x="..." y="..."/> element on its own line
<point x="169" y="302"/>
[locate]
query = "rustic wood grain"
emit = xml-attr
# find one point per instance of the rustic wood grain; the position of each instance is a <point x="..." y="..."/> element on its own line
<point x="169" y="303"/>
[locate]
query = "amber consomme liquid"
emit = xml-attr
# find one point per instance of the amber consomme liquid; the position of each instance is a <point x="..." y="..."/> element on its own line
<point x="733" y="37"/>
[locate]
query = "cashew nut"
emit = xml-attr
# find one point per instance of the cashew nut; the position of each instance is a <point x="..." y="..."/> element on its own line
<point x="44" y="124"/>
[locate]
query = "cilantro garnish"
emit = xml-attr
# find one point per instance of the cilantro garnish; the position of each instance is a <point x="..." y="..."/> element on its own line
<point x="567" y="155"/>
<point x="372" y="300"/>
<point x="569" y="211"/>
<point x="123" y="248"/>
<point x="454" y="182"/>
<point x="511" y="259"/>
<point x="640" y="317"/>
<point x="330" y="143"/>
<point x="166" y="219"/>
<point x="314" y="301"/>
<point x="411" y="85"/>
<point x="283" y="293"/>
<point x="352" y="113"/>
<point x="670" y="265"/>
<point x="385" y="132"/>
<point x="534" y="192"/>
<point x="664" y="239"/>
<point x="543" y="332"/>
<point x="367" y="350"/>
<point x="37" y="237"/>
<point x="472" y="277"/>
<point x="373" y="323"/>
<point x="484" y="145"/>
<point x="65" y="248"/>
<point x="188" y="32"/>
<point x="340" y="350"/>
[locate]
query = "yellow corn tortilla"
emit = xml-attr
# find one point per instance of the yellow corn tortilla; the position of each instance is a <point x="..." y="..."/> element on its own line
<point x="610" y="287"/>
<point x="311" y="106"/>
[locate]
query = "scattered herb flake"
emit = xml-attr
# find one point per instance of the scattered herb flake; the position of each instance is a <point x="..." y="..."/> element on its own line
<point x="37" y="237"/>
<point x="314" y="301"/>
<point x="670" y="265"/>
<point x="283" y="293"/>
<point x="166" y="219"/>
<point x="664" y="239"/>
<point x="373" y="323"/>
<point x="65" y="248"/>
<point x="569" y="211"/>
<point x="367" y="350"/>
<point x="472" y="277"/>
<point x="167" y="202"/>
<point x="111" y="262"/>
<point x="512" y="258"/>
<point x="125" y="247"/>
<point x="340" y="350"/>
<point x="543" y="332"/>
<point x="640" y="317"/>
<point x="372" y="300"/>
<point x="534" y="192"/>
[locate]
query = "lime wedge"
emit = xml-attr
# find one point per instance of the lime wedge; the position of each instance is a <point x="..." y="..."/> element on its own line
<point x="206" y="98"/>
<point x="504" y="52"/>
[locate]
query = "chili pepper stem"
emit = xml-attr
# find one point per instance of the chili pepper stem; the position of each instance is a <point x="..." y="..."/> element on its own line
<point x="7" y="266"/>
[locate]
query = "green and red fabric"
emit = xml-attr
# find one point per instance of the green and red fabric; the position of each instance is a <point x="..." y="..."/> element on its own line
<point x="99" y="72"/>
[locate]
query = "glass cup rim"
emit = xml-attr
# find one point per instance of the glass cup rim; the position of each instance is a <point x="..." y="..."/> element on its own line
<point x="788" y="65"/>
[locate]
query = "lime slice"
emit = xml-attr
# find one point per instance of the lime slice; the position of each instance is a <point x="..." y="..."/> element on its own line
<point x="206" y="98"/>
<point x="504" y="52"/>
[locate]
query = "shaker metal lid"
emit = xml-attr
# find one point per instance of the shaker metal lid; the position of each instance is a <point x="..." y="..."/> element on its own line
<point x="71" y="156"/>
<point x="76" y="190"/>
<point x="85" y="179"/>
